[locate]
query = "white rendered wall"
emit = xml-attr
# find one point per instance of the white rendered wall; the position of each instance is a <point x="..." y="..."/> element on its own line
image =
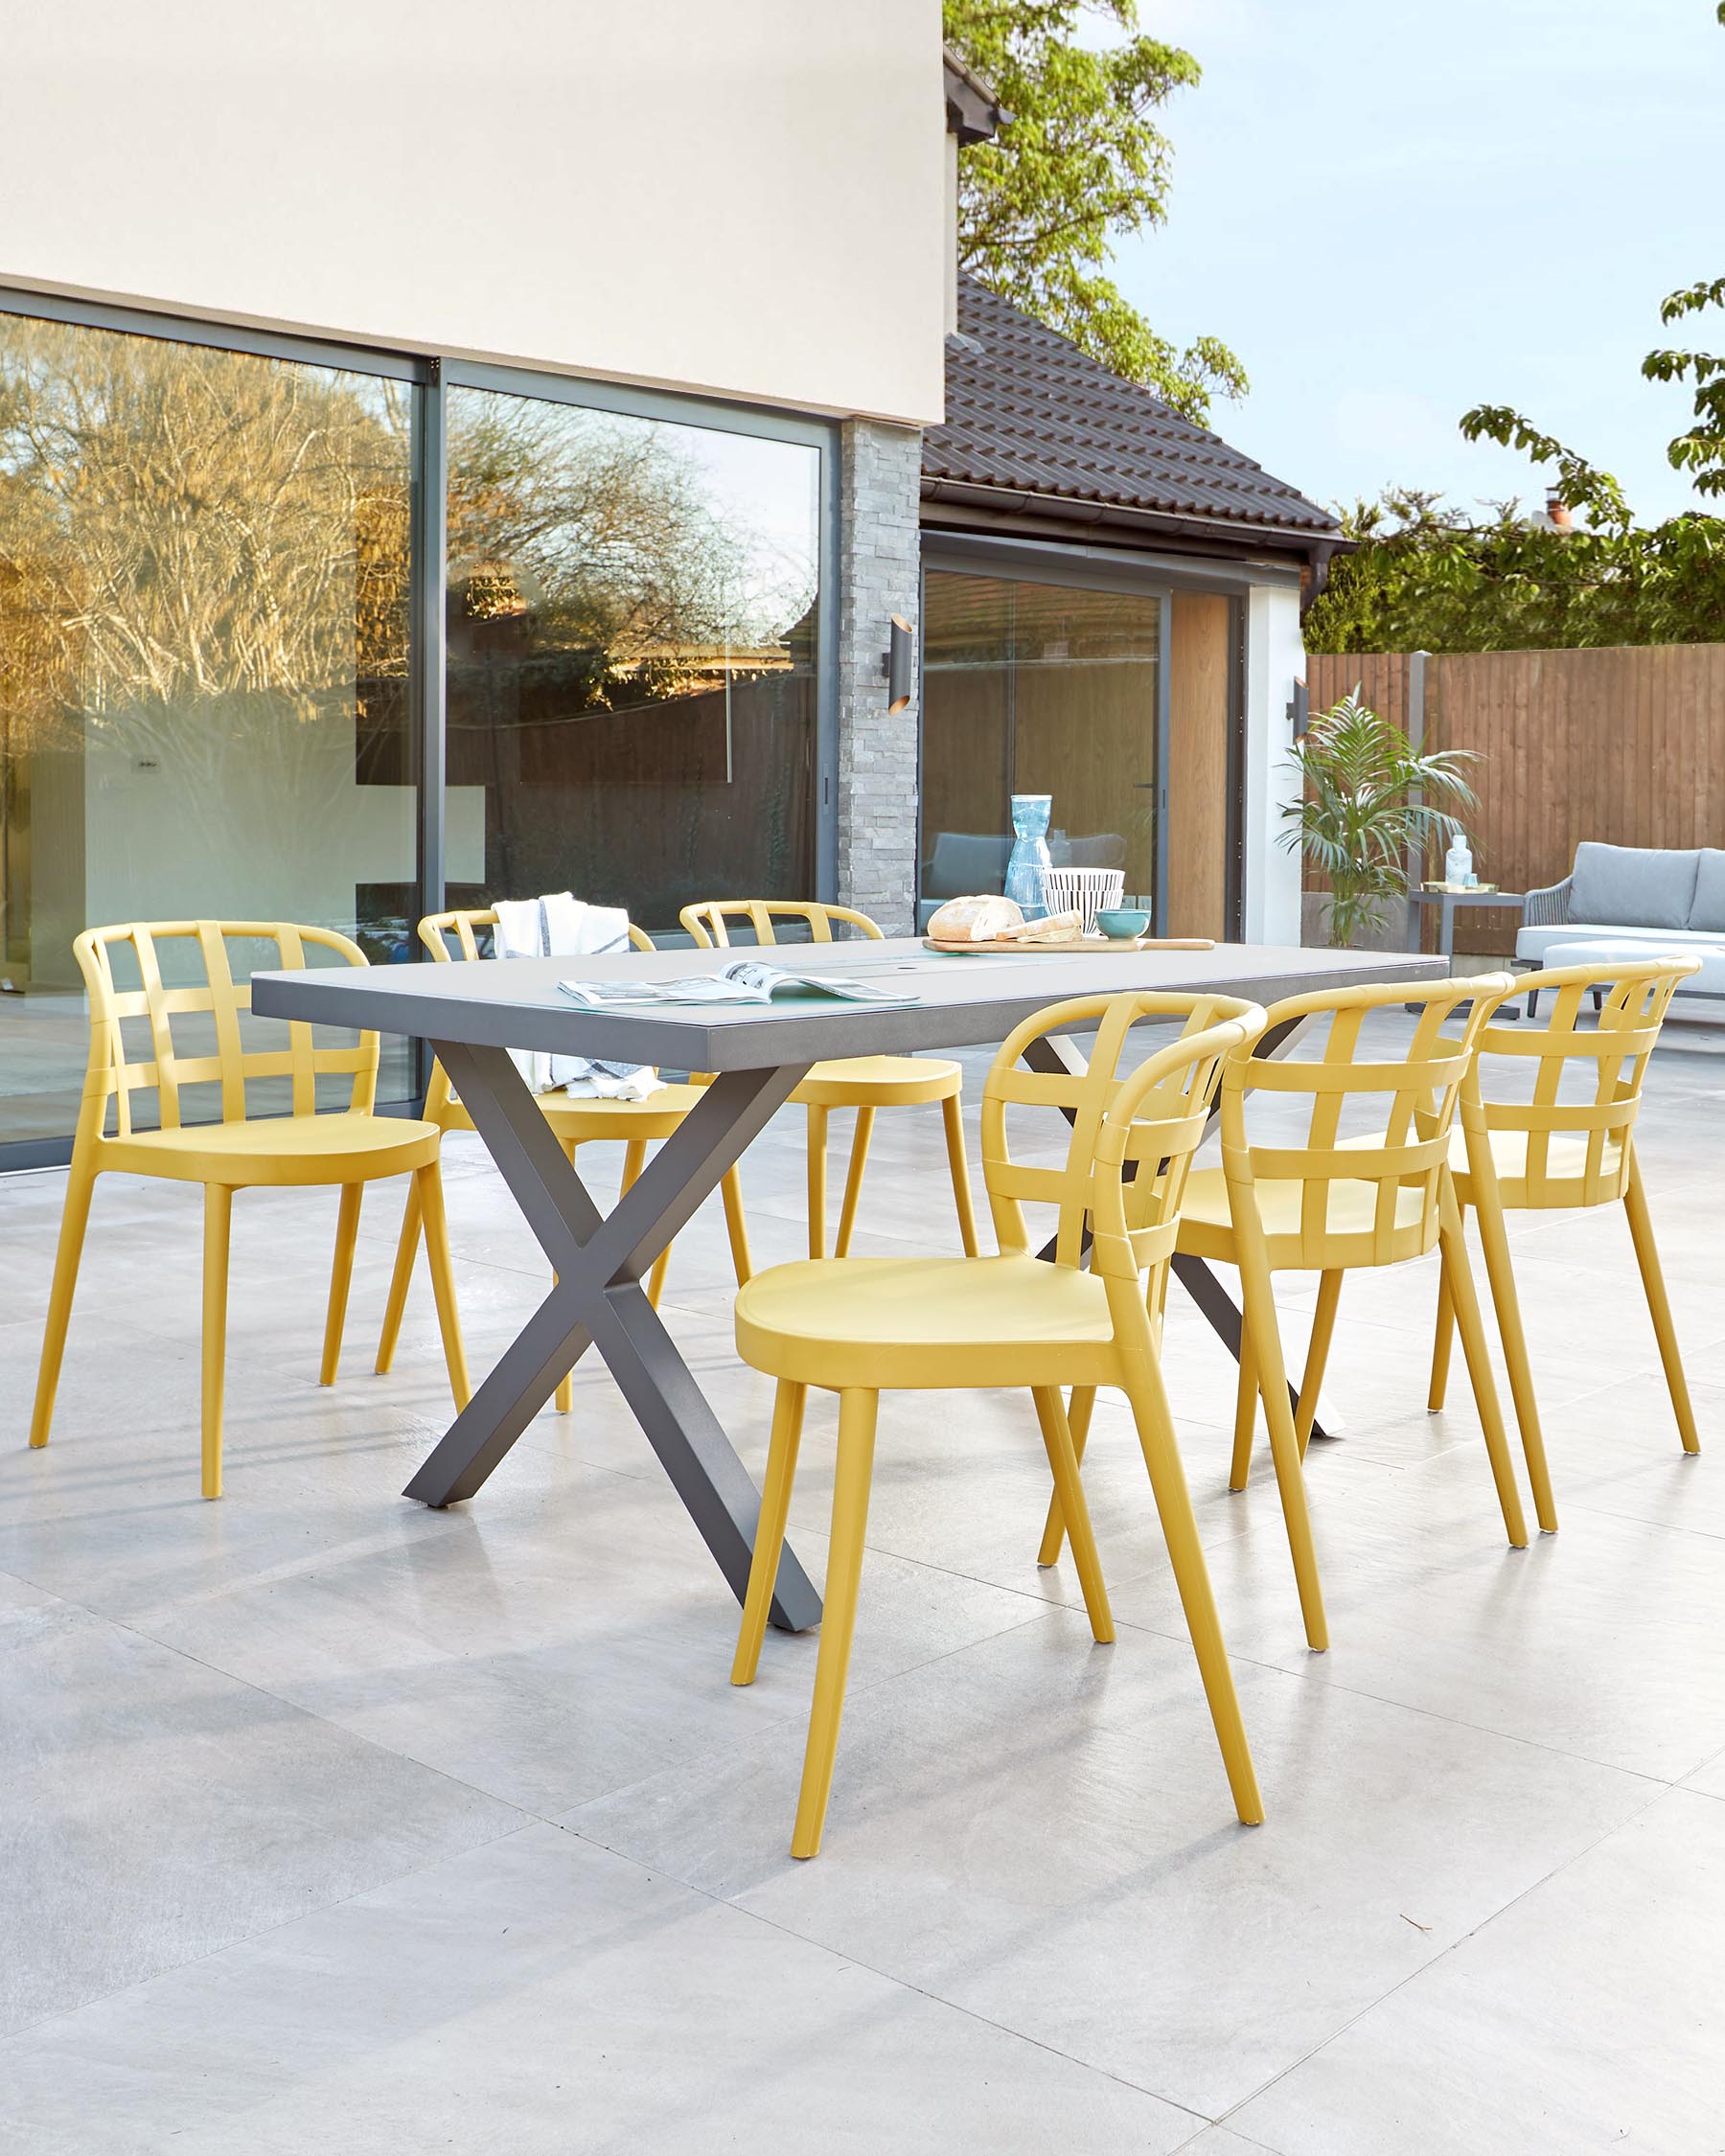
<point x="746" y="197"/>
<point x="1274" y="661"/>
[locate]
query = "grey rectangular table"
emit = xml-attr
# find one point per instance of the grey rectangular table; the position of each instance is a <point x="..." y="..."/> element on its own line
<point x="473" y="1015"/>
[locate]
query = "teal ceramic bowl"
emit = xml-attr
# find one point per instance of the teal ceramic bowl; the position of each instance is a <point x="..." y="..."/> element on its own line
<point x="1121" y="922"/>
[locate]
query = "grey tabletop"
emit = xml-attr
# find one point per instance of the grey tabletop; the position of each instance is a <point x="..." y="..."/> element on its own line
<point x="516" y="1002"/>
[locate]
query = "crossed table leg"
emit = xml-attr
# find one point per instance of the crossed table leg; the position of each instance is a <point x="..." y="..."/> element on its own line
<point x="599" y="1300"/>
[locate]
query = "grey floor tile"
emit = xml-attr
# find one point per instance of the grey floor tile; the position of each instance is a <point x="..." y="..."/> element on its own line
<point x="154" y="1810"/>
<point x="1583" y="2018"/>
<point x="542" y="1996"/>
<point x="1038" y="1828"/>
<point x="1606" y="1640"/>
<point x="564" y="1636"/>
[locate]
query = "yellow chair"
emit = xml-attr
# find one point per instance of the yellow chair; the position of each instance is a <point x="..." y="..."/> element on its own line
<point x="1336" y="1203"/>
<point x="631" y="1123"/>
<point x="1548" y="1154"/>
<point x="860" y="1326"/>
<point x="351" y="1147"/>
<point x="864" y="1082"/>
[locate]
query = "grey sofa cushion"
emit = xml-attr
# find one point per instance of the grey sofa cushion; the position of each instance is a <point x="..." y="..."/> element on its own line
<point x="1633" y="886"/>
<point x="1708" y="910"/>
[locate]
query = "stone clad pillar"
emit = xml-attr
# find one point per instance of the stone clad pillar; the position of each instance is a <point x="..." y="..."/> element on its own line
<point x="880" y="491"/>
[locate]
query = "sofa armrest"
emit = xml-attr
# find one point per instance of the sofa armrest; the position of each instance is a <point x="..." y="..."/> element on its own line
<point x="1545" y="910"/>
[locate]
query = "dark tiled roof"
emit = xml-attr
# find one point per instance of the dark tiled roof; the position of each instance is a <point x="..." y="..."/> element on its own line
<point x="1028" y="412"/>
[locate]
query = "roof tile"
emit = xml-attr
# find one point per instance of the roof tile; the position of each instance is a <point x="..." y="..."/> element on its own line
<point x="1028" y="411"/>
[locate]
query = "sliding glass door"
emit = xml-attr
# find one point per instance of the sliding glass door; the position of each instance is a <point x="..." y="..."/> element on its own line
<point x="632" y="634"/>
<point x="203" y="666"/>
<point x="1040" y="688"/>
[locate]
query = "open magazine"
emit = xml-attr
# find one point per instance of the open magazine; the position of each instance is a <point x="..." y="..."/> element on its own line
<point x="744" y="980"/>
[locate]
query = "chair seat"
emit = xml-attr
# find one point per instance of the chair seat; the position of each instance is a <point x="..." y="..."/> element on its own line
<point x="1565" y="1177"/>
<point x="582" y="1122"/>
<point x="278" y="1150"/>
<point x="1206" y="1227"/>
<point x="927" y="1322"/>
<point x="879" y="1082"/>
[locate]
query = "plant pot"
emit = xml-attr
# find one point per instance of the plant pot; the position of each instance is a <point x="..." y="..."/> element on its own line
<point x="1396" y="932"/>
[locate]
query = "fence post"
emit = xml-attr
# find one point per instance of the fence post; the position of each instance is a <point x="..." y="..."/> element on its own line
<point x="1416" y="711"/>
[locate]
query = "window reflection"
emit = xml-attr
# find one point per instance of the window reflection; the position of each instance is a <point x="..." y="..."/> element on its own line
<point x="1032" y="688"/>
<point x="631" y="658"/>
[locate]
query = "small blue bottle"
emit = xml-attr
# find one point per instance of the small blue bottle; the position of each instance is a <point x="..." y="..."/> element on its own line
<point x="1030" y="857"/>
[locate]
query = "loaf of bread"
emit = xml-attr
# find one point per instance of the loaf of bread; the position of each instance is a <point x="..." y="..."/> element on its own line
<point x="976" y="920"/>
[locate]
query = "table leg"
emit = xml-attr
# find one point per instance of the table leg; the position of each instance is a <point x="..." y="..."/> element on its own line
<point x="1050" y="1053"/>
<point x="1447" y="929"/>
<point x="599" y="1300"/>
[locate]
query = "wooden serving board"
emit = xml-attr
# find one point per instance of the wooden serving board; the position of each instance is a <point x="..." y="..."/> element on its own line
<point x="1018" y="947"/>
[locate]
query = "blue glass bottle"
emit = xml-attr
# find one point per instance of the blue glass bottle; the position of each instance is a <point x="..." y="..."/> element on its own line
<point x="1029" y="857"/>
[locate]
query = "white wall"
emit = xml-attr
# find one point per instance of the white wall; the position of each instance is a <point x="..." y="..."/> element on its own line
<point x="739" y="195"/>
<point x="1274" y="661"/>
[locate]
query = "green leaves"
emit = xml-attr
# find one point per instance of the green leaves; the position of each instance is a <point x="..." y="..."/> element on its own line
<point x="1424" y="577"/>
<point x="1579" y="484"/>
<point x="1357" y="820"/>
<point x="1081" y="164"/>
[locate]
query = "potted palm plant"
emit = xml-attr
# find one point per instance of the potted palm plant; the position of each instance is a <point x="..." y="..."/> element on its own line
<point x="1370" y="801"/>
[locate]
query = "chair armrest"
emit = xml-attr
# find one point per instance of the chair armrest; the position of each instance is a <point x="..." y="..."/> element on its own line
<point x="1545" y="910"/>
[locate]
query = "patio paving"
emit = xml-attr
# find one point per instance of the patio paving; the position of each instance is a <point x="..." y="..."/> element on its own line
<point x="331" y="1823"/>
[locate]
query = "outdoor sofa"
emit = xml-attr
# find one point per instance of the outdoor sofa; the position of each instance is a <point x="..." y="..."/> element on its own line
<point x="1640" y="899"/>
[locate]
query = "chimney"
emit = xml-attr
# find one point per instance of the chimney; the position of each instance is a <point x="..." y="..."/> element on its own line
<point x="1557" y="511"/>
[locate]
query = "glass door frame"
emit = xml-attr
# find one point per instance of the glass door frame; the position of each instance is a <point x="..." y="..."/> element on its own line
<point x="428" y="378"/>
<point x="1013" y="561"/>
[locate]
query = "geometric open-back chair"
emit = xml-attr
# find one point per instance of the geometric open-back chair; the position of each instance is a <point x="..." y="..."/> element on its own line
<point x="633" y="1124"/>
<point x="1330" y="1200"/>
<point x="1541" y="1153"/>
<point x="860" y="1326"/>
<point x="186" y="980"/>
<point x="864" y="1082"/>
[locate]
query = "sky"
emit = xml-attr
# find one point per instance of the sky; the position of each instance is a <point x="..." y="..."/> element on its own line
<point x="1392" y="210"/>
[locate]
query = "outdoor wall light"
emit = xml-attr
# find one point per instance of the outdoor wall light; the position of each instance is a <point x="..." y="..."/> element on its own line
<point x="901" y="664"/>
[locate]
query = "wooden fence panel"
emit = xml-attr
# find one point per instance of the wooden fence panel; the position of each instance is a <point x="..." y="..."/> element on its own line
<point x="1625" y="745"/>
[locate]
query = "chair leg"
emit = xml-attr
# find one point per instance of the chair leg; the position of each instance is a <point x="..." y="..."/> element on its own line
<point x="1150" y="1410"/>
<point x="1075" y="1513"/>
<point x="1259" y="1304"/>
<point x="1458" y="1275"/>
<point x="1246" y="1402"/>
<point x="341" y="1278"/>
<point x="1443" y="1334"/>
<point x="1534" y="1002"/>
<point x="1078" y="1422"/>
<point x="1659" y="1309"/>
<point x="218" y="1212"/>
<point x="1318" y="1347"/>
<point x="736" y="1225"/>
<point x="770" y="1528"/>
<point x="817" y="1151"/>
<point x="72" y="1221"/>
<point x="429" y="1180"/>
<point x="951" y="1112"/>
<point x="1500" y="1275"/>
<point x="851" y="1476"/>
<point x="853" y="1179"/>
<point x="407" y="1251"/>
